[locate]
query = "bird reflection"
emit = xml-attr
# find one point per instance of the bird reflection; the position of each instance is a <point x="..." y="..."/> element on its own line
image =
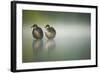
<point x="50" y="45"/>
<point x="37" y="46"/>
<point x="39" y="50"/>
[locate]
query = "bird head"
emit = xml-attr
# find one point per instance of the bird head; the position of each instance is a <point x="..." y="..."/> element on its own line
<point x="34" y="26"/>
<point x="47" y="26"/>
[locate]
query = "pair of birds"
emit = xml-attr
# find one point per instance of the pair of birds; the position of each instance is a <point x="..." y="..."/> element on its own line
<point x="37" y="32"/>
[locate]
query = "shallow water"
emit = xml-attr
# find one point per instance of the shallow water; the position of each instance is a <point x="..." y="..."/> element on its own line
<point x="62" y="47"/>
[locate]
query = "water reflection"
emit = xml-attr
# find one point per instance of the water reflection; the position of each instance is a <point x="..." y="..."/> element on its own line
<point x="37" y="46"/>
<point x="43" y="51"/>
<point x="50" y="45"/>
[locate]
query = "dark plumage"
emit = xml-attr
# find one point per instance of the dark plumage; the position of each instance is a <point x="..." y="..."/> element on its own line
<point x="37" y="32"/>
<point x="50" y="32"/>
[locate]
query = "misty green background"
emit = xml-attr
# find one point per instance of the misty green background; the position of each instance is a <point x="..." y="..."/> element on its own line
<point x="72" y="41"/>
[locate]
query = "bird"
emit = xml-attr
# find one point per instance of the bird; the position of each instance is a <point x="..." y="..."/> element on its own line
<point x="37" y="32"/>
<point x="50" y="32"/>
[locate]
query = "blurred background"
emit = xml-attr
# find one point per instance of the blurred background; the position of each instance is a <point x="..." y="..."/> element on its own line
<point x="72" y="41"/>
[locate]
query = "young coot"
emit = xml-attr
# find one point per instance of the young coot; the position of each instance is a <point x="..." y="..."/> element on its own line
<point x="37" y="32"/>
<point x="50" y="32"/>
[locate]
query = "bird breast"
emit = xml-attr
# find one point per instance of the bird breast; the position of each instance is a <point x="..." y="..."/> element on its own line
<point x="50" y="34"/>
<point x="37" y="33"/>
